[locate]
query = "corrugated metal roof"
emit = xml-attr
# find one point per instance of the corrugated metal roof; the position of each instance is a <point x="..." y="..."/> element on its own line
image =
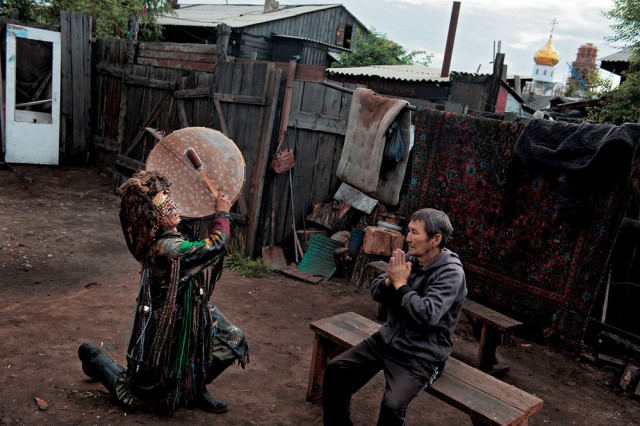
<point x="236" y="16"/>
<point x="276" y="35"/>
<point x="394" y="72"/>
<point x="621" y="56"/>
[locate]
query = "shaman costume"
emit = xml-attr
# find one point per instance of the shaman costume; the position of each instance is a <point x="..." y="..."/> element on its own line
<point x="179" y="342"/>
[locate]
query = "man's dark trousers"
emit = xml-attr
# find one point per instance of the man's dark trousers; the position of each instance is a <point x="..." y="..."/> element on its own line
<point x="345" y="374"/>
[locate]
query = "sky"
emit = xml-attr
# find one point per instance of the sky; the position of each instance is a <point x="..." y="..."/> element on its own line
<point x="519" y="27"/>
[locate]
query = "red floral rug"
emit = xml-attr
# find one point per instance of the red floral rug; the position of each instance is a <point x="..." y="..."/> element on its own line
<point x="523" y="254"/>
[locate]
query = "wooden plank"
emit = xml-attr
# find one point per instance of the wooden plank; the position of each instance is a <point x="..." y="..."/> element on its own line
<point x="105" y="143"/>
<point x="232" y="110"/>
<point x="261" y="158"/>
<point x="221" y="119"/>
<point x="333" y="328"/>
<point x="88" y="101"/>
<point x="286" y="103"/>
<point x="303" y="276"/>
<point x="311" y="73"/>
<point x="3" y="135"/>
<point x="149" y="82"/>
<point x="110" y="70"/>
<point x="317" y="367"/>
<point x="506" y="392"/>
<point x="154" y="114"/>
<point x="129" y="163"/>
<point x="202" y="92"/>
<point x="492" y="318"/>
<point x="177" y="55"/>
<point x="177" y="64"/>
<point x="240" y="99"/>
<point x="66" y="101"/>
<point x="78" y="73"/>
<point x="179" y="47"/>
<point x="483" y="408"/>
<point x="306" y="146"/>
<point x="182" y="114"/>
<point x="317" y="122"/>
<point x="325" y="150"/>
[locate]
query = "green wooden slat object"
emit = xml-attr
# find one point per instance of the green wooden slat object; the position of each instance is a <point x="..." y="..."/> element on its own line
<point x="318" y="260"/>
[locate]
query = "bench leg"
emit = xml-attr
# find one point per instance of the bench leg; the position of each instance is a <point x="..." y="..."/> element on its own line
<point x="316" y="370"/>
<point x="323" y="351"/>
<point x="489" y="340"/>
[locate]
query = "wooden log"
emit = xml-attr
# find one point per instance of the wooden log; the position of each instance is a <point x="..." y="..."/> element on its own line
<point x="361" y="274"/>
<point x="344" y="261"/>
<point x="381" y="241"/>
<point x="330" y="215"/>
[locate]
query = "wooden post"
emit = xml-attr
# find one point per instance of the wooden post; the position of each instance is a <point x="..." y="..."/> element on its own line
<point x="286" y="103"/>
<point x="494" y="87"/>
<point x="223" y="33"/>
<point x="446" y="63"/>
<point x="262" y="156"/>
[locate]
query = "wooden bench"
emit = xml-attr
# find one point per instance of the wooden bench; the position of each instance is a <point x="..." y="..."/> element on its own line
<point x="487" y="400"/>
<point x="494" y="326"/>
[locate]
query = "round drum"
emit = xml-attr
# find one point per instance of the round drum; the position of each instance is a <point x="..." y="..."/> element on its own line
<point x="222" y="163"/>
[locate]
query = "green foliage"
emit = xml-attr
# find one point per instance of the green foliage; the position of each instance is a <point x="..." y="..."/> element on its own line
<point x="621" y="104"/>
<point x="24" y="8"/>
<point x="377" y="49"/>
<point x="571" y="90"/>
<point x="247" y="267"/>
<point x="626" y="13"/>
<point x="111" y="16"/>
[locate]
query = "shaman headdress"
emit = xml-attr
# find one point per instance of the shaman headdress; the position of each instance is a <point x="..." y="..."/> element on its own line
<point x="141" y="208"/>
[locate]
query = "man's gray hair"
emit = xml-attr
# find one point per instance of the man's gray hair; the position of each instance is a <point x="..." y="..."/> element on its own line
<point x="435" y="222"/>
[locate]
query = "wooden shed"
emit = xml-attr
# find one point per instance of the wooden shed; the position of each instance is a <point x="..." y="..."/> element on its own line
<point x="307" y="33"/>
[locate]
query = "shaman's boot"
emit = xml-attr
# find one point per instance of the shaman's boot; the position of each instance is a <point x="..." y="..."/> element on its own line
<point x="204" y="401"/>
<point x="98" y="366"/>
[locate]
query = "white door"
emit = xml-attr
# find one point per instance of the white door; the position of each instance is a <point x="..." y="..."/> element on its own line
<point x="32" y="113"/>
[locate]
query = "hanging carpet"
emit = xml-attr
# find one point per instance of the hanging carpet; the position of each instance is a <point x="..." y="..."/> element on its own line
<point x="528" y="250"/>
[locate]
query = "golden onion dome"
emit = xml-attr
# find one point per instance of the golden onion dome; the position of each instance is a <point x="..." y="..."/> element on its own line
<point x="547" y="55"/>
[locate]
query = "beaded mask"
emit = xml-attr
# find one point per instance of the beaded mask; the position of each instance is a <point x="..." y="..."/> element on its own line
<point x="165" y="206"/>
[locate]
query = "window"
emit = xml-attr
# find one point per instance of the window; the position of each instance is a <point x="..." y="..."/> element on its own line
<point x="343" y="35"/>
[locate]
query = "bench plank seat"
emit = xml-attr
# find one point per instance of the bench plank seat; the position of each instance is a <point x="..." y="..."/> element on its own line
<point x="492" y="318"/>
<point x="487" y="400"/>
<point x="494" y="325"/>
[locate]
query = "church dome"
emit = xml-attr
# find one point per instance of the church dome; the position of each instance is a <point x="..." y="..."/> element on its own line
<point x="547" y="55"/>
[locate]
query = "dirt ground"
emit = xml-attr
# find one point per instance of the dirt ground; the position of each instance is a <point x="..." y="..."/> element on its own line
<point x="66" y="277"/>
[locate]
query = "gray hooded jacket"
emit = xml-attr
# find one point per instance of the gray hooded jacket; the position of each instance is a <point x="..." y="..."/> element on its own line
<point x="423" y="314"/>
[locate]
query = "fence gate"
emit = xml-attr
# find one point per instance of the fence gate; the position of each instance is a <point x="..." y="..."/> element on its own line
<point x="246" y="104"/>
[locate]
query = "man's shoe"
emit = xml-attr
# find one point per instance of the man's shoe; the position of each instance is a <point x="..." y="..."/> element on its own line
<point x="205" y="402"/>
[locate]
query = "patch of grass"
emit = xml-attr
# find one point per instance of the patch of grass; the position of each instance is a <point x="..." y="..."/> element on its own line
<point x="245" y="266"/>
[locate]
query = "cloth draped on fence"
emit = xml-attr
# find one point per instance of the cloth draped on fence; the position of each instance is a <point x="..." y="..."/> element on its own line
<point x="360" y="165"/>
<point x="524" y="255"/>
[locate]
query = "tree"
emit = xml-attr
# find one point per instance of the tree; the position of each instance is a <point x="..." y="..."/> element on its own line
<point x="378" y="49"/>
<point x="111" y="16"/>
<point x="622" y="104"/>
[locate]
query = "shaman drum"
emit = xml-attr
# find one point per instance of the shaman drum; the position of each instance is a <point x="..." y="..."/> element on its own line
<point x="222" y="163"/>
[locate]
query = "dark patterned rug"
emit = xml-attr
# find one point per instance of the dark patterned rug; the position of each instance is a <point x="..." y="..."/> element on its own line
<point x="529" y="250"/>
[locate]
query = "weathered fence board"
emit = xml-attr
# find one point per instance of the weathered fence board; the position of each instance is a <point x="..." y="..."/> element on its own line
<point x="75" y="119"/>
